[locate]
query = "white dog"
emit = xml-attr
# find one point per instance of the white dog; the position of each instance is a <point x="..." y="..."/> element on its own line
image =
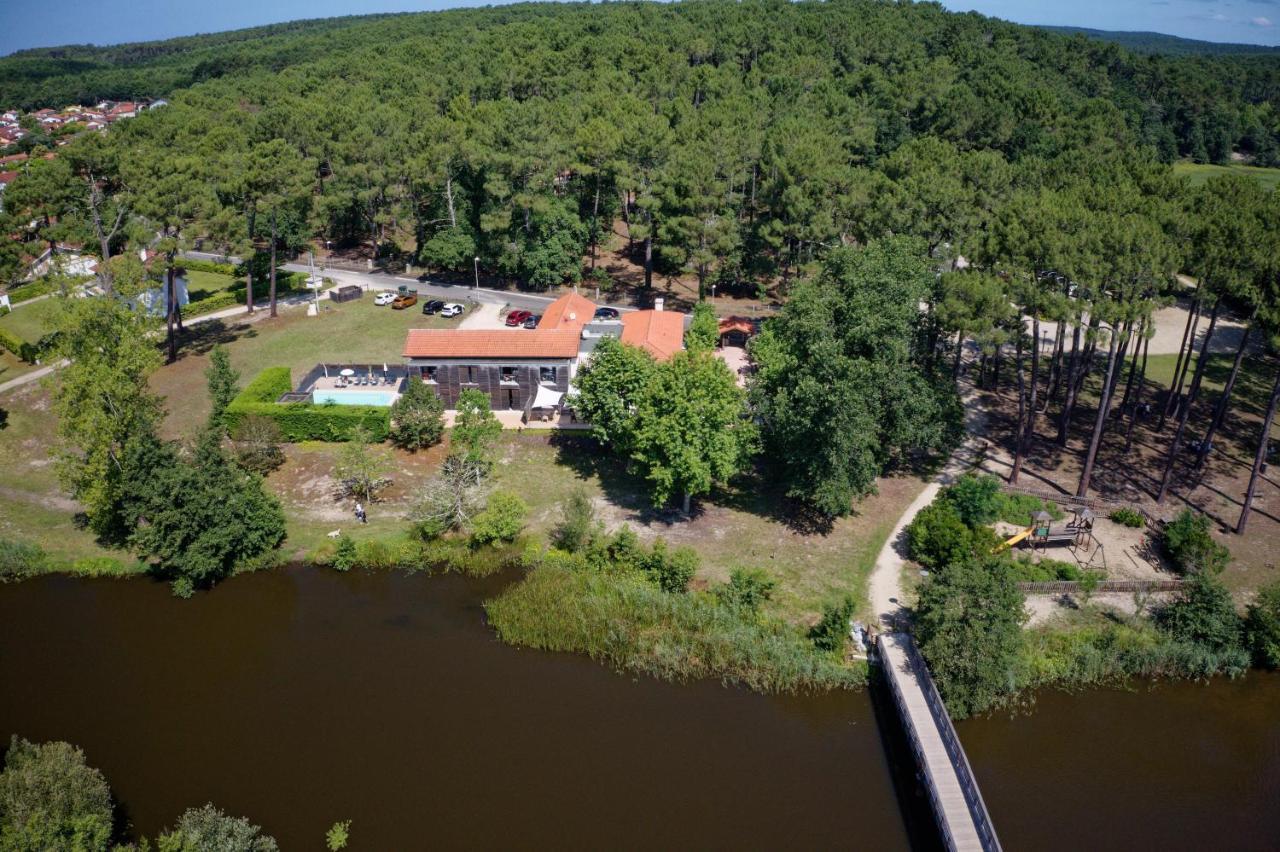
<point x="334" y="533"/>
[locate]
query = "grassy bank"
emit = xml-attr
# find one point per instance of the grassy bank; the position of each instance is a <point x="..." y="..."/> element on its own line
<point x="1198" y="173"/>
<point x="625" y="621"/>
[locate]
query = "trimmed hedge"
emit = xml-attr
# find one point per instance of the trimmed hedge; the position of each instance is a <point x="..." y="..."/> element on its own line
<point x="304" y="421"/>
<point x="28" y="352"/>
<point x="209" y="304"/>
<point x="208" y="266"/>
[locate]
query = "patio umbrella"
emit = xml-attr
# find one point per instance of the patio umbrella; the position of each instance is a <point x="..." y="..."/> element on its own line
<point x="384" y="367"/>
<point x="348" y="372"/>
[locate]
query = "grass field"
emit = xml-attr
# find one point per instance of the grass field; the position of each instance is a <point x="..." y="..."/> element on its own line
<point x="31" y="321"/>
<point x="201" y="285"/>
<point x="1198" y="173"/>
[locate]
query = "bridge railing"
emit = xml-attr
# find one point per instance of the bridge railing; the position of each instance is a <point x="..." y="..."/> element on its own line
<point x="955" y="751"/>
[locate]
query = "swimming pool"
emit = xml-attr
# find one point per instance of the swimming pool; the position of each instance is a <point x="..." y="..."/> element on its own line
<point x="383" y="398"/>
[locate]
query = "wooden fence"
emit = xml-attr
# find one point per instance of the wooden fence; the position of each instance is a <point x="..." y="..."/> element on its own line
<point x="1057" y="587"/>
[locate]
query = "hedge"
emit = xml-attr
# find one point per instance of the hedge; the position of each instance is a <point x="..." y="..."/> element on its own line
<point x="209" y="304"/>
<point x="28" y="352"/>
<point x="304" y="421"/>
<point x="208" y="266"/>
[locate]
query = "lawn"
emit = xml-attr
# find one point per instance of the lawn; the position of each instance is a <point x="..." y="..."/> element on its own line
<point x="31" y="321"/>
<point x="355" y="331"/>
<point x="1198" y="173"/>
<point x="11" y="366"/>
<point x="202" y="285"/>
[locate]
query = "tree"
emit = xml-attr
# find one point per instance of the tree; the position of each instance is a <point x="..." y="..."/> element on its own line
<point x="222" y="381"/>
<point x="969" y="624"/>
<point x="704" y="331"/>
<point x="832" y="630"/>
<point x="255" y="443"/>
<point x="417" y="417"/>
<point x="282" y="178"/>
<point x="450" y="500"/>
<point x="194" y="514"/>
<point x="690" y="427"/>
<point x="840" y="387"/>
<point x="50" y="799"/>
<point x="207" y="829"/>
<point x="475" y="429"/>
<point x="975" y="498"/>
<point x="501" y="521"/>
<point x="1262" y="626"/>
<point x="1260" y="455"/>
<point x="1203" y="614"/>
<point x="609" y="386"/>
<point x="361" y="468"/>
<point x="102" y="401"/>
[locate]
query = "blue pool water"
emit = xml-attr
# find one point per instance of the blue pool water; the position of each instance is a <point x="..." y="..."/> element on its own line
<point x="355" y="397"/>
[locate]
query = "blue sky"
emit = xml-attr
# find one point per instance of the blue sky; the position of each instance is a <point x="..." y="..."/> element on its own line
<point x="54" y="22"/>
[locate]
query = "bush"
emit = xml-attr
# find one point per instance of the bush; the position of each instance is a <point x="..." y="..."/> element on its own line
<point x="255" y="443"/>
<point x="1190" y="545"/>
<point x="832" y="630"/>
<point x="578" y="526"/>
<point x="671" y="570"/>
<point x="1128" y="517"/>
<point x="1017" y="509"/>
<point x="937" y="536"/>
<point x="344" y="556"/>
<point x="304" y="421"/>
<point x="19" y="560"/>
<point x="214" y="302"/>
<point x="197" y="265"/>
<point x="974" y="498"/>
<point x="28" y="352"/>
<point x="1262" y="627"/>
<point x="1203" y="614"/>
<point x="502" y="519"/>
<point x="208" y="828"/>
<point x="417" y="417"/>
<point x="747" y="590"/>
<point x="1024" y="570"/>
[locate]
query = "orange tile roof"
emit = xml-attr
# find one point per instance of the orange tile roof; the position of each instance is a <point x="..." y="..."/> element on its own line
<point x="490" y="343"/>
<point x="569" y="311"/>
<point x="661" y="333"/>
<point x="737" y="324"/>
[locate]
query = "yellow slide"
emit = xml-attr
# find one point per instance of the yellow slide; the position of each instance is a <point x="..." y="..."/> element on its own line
<point x="1015" y="539"/>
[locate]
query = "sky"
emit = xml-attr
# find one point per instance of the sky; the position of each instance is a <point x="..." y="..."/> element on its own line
<point x="56" y="22"/>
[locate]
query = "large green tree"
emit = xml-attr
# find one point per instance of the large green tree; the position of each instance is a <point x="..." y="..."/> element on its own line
<point x="50" y="799"/>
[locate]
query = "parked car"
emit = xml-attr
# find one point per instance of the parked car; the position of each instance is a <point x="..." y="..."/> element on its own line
<point x="408" y="300"/>
<point x="386" y="297"/>
<point x="452" y="309"/>
<point x="532" y="321"/>
<point x="432" y="306"/>
<point x="606" y="314"/>
<point x="515" y="318"/>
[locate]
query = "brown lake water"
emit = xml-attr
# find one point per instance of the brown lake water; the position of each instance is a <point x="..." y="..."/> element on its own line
<point x="301" y="697"/>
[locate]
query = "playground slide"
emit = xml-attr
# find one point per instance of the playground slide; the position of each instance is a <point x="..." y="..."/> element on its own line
<point x="1015" y="539"/>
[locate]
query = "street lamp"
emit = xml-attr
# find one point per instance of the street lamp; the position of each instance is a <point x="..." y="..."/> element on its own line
<point x="477" y="260"/>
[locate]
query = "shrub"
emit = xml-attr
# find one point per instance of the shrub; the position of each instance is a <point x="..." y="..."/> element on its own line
<point x="19" y="560"/>
<point x="938" y="536"/>
<point x="1262" y="627"/>
<point x="417" y="417"/>
<point x="747" y="590"/>
<point x="256" y="444"/>
<point x="1128" y="517"/>
<point x="974" y="498"/>
<point x="344" y="556"/>
<point x="197" y="265"/>
<point x="28" y="352"/>
<point x="670" y="569"/>
<point x="1017" y="509"/>
<point x="1203" y="614"/>
<point x="832" y="630"/>
<point x="624" y="549"/>
<point x="213" y="302"/>
<point x="578" y="525"/>
<point x="502" y="519"/>
<point x="1190" y="545"/>
<point x="208" y="828"/>
<point x="1024" y="570"/>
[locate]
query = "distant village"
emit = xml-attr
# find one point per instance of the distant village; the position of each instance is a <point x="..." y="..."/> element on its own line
<point x="61" y="126"/>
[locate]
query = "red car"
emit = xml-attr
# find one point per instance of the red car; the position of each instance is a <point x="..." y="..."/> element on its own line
<point x="515" y="318"/>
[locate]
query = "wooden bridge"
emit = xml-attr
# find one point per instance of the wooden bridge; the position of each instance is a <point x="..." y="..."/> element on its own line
<point x="957" y="803"/>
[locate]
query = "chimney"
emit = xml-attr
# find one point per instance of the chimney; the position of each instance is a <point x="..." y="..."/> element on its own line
<point x="657" y="303"/>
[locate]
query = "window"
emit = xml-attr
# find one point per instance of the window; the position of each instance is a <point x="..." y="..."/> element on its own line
<point x="429" y="374"/>
<point x="509" y="375"/>
<point x="547" y="375"/>
<point x="467" y="375"/>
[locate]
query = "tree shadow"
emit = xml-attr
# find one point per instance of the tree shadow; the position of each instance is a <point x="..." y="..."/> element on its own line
<point x="200" y="339"/>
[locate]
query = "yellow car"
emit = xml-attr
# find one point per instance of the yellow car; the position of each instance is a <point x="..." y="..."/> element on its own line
<point x="408" y="300"/>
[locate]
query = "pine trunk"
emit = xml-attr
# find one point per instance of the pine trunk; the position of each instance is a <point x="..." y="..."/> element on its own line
<point x="1192" y="394"/>
<point x="1224" y="401"/>
<point x="1260" y="457"/>
<point x="273" y="265"/>
<point x="1016" y="470"/>
<point x="1137" y="397"/>
<point x="1100" y="421"/>
<point x="1185" y="349"/>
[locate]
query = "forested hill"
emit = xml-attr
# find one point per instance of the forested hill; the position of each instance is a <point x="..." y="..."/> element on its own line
<point x="1147" y="42"/>
<point x="740" y="140"/>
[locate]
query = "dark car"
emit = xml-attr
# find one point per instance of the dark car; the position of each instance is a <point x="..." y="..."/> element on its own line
<point x="606" y="314"/>
<point x="532" y="321"/>
<point x="433" y="306"/>
<point x="516" y="318"/>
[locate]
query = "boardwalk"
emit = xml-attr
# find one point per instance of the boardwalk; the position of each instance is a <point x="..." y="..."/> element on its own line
<point x="953" y="791"/>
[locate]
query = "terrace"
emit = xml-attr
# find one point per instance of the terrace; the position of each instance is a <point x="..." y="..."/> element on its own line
<point x="350" y="384"/>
